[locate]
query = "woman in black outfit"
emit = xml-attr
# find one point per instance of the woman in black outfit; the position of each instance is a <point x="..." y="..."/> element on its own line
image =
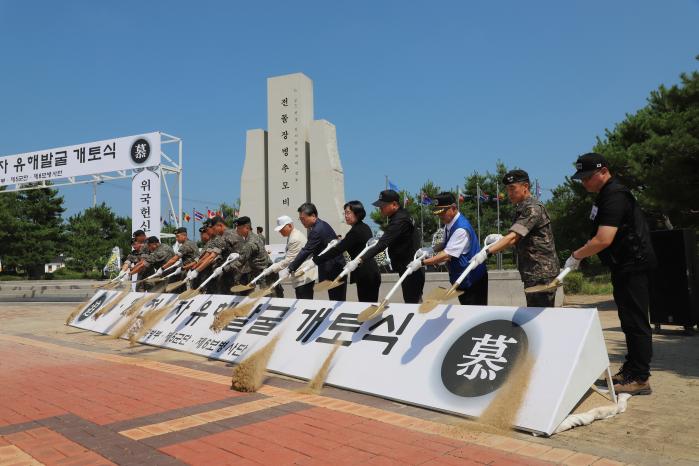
<point x="367" y="276"/>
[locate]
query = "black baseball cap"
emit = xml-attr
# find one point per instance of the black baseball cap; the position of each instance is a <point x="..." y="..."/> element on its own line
<point x="442" y="202"/>
<point x="180" y="230"/>
<point x="385" y="197"/>
<point x="587" y="164"/>
<point x="243" y="221"/>
<point x="515" y="176"/>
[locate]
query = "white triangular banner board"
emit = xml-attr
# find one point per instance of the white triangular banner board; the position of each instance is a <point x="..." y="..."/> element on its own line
<point x="453" y="359"/>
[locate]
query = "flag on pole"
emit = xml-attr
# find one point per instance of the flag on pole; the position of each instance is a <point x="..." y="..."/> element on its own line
<point x="198" y="215"/>
<point x="425" y="199"/>
<point x="484" y="196"/>
<point x="210" y="213"/>
<point x="393" y="186"/>
<point x="186" y="217"/>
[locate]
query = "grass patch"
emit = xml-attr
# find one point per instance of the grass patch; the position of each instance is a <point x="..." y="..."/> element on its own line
<point x="579" y="283"/>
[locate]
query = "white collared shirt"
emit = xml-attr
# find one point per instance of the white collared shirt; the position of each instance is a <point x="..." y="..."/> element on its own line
<point x="458" y="241"/>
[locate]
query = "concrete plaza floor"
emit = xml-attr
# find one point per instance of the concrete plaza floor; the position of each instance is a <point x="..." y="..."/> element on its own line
<point x="73" y="397"/>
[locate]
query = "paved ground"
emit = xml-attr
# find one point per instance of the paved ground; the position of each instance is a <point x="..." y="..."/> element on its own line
<point x="73" y="397"/>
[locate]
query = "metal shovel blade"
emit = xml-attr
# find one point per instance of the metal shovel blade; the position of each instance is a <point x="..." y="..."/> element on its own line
<point x="241" y="288"/>
<point x="545" y="287"/>
<point x="326" y="285"/>
<point x="173" y="286"/>
<point x="438" y="296"/>
<point x="371" y="312"/>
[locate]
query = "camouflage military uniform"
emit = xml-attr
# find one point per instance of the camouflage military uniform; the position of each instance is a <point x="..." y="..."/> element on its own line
<point x="536" y="252"/>
<point x="154" y="260"/>
<point x="253" y="260"/>
<point x="135" y="257"/>
<point x="188" y="251"/>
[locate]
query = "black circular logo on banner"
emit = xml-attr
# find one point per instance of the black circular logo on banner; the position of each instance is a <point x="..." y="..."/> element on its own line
<point x="92" y="308"/>
<point x="481" y="359"/>
<point x="140" y="151"/>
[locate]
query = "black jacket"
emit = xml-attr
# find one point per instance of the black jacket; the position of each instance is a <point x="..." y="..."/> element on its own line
<point x="400" y="237"/>
<point x="354" y="242"/>
<point x="319" y="235"/>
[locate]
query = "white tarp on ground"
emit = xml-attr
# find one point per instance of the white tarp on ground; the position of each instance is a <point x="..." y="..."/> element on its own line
<point x="453" y="359"/>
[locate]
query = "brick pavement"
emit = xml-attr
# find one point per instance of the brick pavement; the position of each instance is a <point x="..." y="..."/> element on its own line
<point x="66" y="405"/>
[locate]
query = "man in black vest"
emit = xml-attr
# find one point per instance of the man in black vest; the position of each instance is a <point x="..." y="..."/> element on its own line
<point x="621" y="239"/>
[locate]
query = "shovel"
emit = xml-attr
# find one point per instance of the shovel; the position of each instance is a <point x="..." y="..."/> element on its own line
<point x="326" y="285"/>
<point x="441" y="295"/>
<point x="376" y="309"/>
<point x="310" y="264"/>
<point x="268" y="290"/>
<point x="113" y="282"/>
<point x="251" y="285"/>
<point x="555" y="283"/>
<point x="217" y="271"/>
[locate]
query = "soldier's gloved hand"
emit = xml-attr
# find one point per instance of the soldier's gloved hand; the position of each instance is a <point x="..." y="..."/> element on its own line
<point x="572" y="263"/>
<point x="126" y="277"/>
<point x="159" y="272"/>
<point x="192" y="274"/>
<point x="283" y="273"/>
<point x="353" y="264"/>
<point x="177" y="271"/>
<point x="479" y="258"/>
<point x="266" y="271"/>
<point x="217" y="271"/>
<point x="415" y="265"/>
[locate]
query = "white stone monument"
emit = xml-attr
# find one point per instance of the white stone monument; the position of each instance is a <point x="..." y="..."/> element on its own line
<point x="295" y="161"/>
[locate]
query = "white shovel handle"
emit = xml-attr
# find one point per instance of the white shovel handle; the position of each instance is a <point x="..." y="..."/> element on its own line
<point x="330" y="245"/>
<point x="176" y="264"/>
<point x="563" y="274"/>
<point x="262" y="274"/>
<point x="345" y="270"/>
<point x="216" y="272"/>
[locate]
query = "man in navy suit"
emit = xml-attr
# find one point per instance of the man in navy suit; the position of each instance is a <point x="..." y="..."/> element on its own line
<point x="320" y="233"/>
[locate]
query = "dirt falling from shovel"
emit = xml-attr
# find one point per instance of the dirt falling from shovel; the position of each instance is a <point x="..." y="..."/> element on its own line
<point x="249" y="375"/>
<point x="76" y="311"/>
<point x="315" y="385"/>
<point x="110" y="305"/>
<point x="502" y="410"/>
<point x="149" y="319"/>
<point x="130" y="316"/>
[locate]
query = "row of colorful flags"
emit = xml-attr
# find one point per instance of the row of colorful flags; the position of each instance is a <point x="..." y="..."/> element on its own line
<point x="197" y="215"/>
<point x="426" y="200"/>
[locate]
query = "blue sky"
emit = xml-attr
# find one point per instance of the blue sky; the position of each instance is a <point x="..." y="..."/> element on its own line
<point x="417" y="90"/>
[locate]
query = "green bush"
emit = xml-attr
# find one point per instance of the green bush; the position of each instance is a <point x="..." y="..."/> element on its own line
<point x="573" y="283"/>
<point x="65" y="273"/>
<point x="10" y="278"/>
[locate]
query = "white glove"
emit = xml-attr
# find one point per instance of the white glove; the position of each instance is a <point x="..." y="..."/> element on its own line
<point x="266" y="271"/>
<point x="415" y="265"/>
<point x="283" y="273"/>
<point x="177" y="271"/>
<point x="159" y="272"/>
<point x="192" y="274"/>
<point x="479" y="258"/>
<point x="126" y="277"/>
<point x="217" y="271"/>
<point x="353" y="264"/>
<point x="572" y="263"/>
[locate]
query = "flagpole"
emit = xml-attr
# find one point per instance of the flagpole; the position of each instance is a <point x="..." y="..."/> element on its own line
<point x="194" y="226"/>
<point x="497" y="200"/>
<point x="422" y="231"/>
<point x="478" y="206"/>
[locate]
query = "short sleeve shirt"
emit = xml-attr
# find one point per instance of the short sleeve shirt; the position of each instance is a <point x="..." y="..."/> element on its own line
<point x="158" y="257"/>
<point x="536" y="250"/>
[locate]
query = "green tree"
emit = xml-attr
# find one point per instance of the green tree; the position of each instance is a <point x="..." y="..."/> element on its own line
<point x="35" y="231"/>
<point x="655" y="152"/>
<point x="231" y="212"/>
<point x="91" y="235"/>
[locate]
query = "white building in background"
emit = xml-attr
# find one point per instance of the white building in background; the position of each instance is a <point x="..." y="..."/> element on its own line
<point x="295" y="161"/>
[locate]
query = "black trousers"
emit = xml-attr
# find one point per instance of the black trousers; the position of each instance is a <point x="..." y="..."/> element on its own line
<point x="477" y="294"/>
<point x="632" y="301"/>
<point x="304" y="291"/>
<point x="412" y="286"/>
<point x="339" y="293"/>
<point x="368" y="288"/>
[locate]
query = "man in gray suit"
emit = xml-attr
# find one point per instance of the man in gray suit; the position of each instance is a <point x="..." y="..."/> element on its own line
<point x="295" y="241"/>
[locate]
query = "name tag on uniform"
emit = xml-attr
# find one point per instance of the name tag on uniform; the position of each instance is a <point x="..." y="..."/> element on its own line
<point x="593" y="212"/>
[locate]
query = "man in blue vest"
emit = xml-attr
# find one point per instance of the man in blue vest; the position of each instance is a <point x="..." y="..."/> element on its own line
<point x="460" y="245"/>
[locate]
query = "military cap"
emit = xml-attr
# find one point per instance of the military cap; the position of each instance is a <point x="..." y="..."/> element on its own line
<point x="587" y="164"/>
<point x="515" y="176"/>
<point x="442" y="202"/>
<point x="139" y="233"/>
<point x="203" y="228"/>
<point x="180" y="230"/>
<point x="216" y="220"/>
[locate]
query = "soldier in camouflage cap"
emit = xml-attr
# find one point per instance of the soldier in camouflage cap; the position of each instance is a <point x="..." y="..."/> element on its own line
<point x="532" y="237"/>
<point x="158" y="255"/>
